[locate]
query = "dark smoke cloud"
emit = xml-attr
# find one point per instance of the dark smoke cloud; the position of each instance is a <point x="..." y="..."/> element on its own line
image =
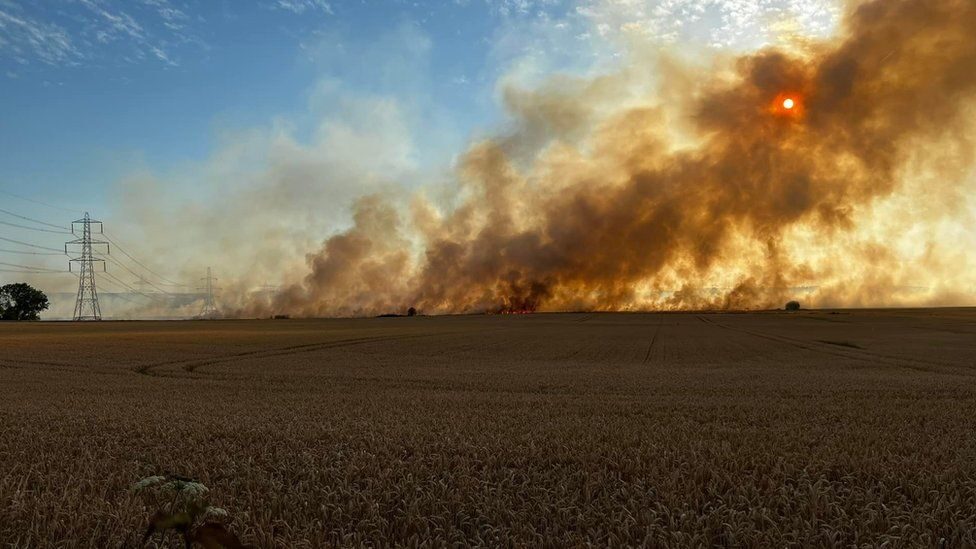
<point x="586" y="209"/>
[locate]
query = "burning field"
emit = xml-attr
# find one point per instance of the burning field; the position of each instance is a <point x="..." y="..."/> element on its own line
<point x="834" y="428"/>
<point x="683" y="182"/>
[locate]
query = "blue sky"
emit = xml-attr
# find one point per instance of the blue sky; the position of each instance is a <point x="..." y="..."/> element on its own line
<point x="90" y="90"/>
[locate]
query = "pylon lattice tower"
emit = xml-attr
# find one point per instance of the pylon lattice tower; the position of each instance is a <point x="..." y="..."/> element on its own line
<point x="209" y="309"/>
<point x="86" y="306"/>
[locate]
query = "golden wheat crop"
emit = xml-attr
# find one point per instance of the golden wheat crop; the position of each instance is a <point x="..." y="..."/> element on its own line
<point x="669" y="430"/>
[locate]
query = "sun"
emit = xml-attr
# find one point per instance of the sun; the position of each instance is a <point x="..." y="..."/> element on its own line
<point x="789" y="105"/>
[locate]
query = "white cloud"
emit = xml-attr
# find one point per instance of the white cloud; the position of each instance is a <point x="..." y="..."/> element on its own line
<point x="301" y="6"/>
<point x="85" y="30"/>
<point x="119" y="22"/>
<point x="739" y="24"/>
<point x="24" y="38"/>
<point x="174" y="18"/>
<point x="520" y="7"/>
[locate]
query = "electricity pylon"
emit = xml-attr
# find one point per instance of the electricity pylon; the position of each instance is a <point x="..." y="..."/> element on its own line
<point x="209" y="306"/>
<point x="86" y="306"/>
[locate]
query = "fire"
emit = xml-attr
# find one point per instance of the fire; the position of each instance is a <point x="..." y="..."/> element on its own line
<point x="787" y="172"/>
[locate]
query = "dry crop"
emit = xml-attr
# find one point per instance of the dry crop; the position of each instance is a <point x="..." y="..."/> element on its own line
<point x="661" y="430"/>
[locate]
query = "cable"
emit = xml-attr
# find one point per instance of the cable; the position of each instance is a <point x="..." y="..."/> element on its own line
<point x="126" y="286"/>
<point x="25" y="199"/>
<point x="65" y="230"/>
<point x="130" y="288"/>
<point x="34" y="228"/>
<point x="137" y="262"/>
<point x="30" y="253"/>
<point x="12" y="241"/>
<point x="29" y="267"/>
<point x="116" y="293"/>
<point x="33" y="272"/>
<point x="25" y="218"/>
<point x="133" y="273"/>
<point x="101" y="280"/>
<point x="120" y="296"/>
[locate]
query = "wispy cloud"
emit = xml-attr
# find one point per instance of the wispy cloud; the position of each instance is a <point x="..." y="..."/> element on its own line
<point x="24" y="39"/>
<point x="105" y="31"/>
<point x="301" y="6"/>
<point x="92" y="31"/>
<point x="520" y="7"/>
<point x="720" y="23"/>
<point x="173" y="18"/>
<point x="115" y="23"/>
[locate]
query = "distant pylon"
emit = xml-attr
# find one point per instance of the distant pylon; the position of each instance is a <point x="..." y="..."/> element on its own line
<point x="209" y="305"/>
<point x="86" y="306"/>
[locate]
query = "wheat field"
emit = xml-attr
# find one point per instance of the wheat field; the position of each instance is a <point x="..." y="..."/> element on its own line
<point x="824" y="429"/>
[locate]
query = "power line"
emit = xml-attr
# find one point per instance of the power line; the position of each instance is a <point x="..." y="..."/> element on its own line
<point x="120" y="283"/>
<point x="131" y="289"/>
<point x="25" y="218"/>
<point x="29" y="267"/>
<point x="38" y="202"/>
<point x="102" y="283"/>
<point x="117" y="285"/>
<point x="89" y="288"/>
<point x="118" y="294"/>
<point x="23" y="252"/>
<point x="141" y="277"/>
<point x="133" y="273"/>
<point x="12" y="241"/>
<point x="123" y="298"/>
<point x="139" y="263"/>
<point x="33" y="228"/>
<point x="66" y="230"/>
<point x="33" y="272"/>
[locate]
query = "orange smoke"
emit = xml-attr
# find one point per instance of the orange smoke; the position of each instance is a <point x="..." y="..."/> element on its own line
<point x="695" y="197"/>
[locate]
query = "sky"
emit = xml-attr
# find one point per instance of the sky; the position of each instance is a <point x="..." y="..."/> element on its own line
<point x="91" y="90"/>
<point x="106" y="102"/>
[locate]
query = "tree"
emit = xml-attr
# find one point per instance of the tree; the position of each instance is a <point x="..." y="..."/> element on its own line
<point x="21" y="302"/>
<point x="793" y="306"/>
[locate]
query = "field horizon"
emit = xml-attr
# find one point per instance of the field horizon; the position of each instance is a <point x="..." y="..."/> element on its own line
<point x="718" y="311"/>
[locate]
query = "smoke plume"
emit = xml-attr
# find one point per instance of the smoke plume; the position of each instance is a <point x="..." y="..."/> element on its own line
<point x="708" y="192"/>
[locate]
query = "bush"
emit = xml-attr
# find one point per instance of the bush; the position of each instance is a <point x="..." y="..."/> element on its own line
<point x="411" y="312"/>
<point x="793" y="306"/>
